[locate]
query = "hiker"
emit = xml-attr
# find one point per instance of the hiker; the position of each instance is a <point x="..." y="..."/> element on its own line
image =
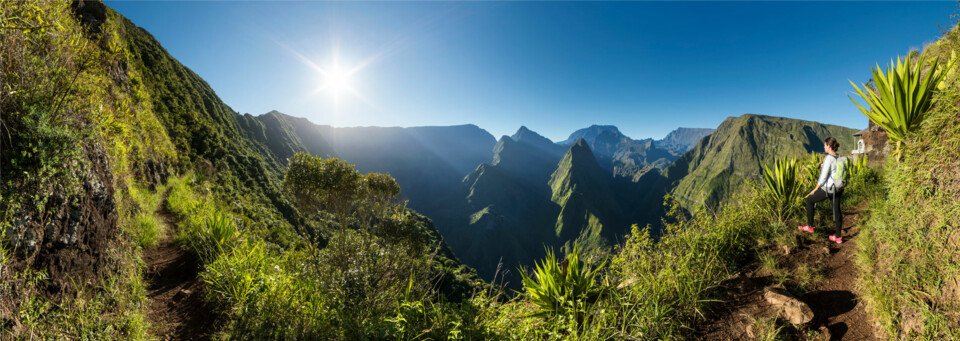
<point x="829" y="186"/>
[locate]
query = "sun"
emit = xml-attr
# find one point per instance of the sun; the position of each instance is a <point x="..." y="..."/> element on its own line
<point x="336" y="81"/>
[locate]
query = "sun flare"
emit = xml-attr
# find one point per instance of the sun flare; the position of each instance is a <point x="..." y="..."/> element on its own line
<point x="336" y="81"/>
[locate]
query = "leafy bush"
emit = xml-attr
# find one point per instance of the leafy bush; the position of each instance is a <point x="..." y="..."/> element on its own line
<point x="218" y="234"/>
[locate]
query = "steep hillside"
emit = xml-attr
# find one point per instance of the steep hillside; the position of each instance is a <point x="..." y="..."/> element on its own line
<point x="586" y="195"/>
<point x="99" y="121"/>
<point x="910" y="248"/>
<point x="531" y="196"/>
<point x="736" y="153"/>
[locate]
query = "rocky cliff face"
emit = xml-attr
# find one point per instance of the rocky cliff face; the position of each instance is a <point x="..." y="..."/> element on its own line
<point x="72" y="237"/>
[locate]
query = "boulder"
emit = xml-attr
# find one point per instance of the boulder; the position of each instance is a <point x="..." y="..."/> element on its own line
<point x="794" y="310"/>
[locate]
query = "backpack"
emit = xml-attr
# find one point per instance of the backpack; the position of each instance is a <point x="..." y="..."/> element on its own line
<point x="838" y="174"/>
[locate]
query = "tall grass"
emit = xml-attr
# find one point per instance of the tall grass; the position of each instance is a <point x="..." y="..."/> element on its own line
<point x="145" y="227"/>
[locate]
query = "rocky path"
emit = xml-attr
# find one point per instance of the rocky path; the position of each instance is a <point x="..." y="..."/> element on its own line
<point x="176" y="310"/>
<point x="838" y="313"/>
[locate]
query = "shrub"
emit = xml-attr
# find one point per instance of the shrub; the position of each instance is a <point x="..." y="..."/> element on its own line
<point x="564" y="288"/>
<point x="902" y="96"/>
<point x="782" y="189"/>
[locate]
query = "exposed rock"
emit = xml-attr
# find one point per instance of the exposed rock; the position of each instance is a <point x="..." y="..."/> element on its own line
<point x="70" y="239"/>
<point x="823" y="334"/>
<point x="91" y="13"/>
<point x="794" y="310"/>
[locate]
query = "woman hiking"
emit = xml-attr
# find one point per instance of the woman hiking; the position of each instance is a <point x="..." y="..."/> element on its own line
<point x="827" y="189"/>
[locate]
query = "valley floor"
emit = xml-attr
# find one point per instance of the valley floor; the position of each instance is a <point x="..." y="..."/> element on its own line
<point x="832" y="293"/>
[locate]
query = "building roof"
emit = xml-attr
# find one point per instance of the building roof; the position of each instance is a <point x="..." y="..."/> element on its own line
<point x="859" y="133"/>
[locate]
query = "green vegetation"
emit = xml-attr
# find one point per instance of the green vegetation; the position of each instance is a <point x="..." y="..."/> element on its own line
<point x="902" y="95"/>
<point x="734" y="155"/>
<point x="565" y="288"/>
<point x="146" y="228"/>
<point x="783" y="188"/>
<point x="909" y="248"/>
<point x="317" y="249"/>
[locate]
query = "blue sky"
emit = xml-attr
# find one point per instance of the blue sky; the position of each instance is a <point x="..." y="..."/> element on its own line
<point x="646" y="67"/>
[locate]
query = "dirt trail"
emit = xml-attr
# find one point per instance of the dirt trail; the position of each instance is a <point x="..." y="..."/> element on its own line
<point x="834" y="299"/>
<point x="176" y="310"/>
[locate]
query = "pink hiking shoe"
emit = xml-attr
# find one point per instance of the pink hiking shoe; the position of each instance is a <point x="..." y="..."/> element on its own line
<point x="835" y="239"/>
<point x="806" y="228"/>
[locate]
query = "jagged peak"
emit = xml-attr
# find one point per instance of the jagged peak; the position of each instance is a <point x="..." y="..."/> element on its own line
<point x="525" y="134"/>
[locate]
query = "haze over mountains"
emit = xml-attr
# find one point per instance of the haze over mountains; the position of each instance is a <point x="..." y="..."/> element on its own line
<point x="499" y="202"/>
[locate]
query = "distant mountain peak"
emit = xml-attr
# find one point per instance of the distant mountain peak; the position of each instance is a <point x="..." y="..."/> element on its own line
<point x="605" y="127"/>
<point x="525" y="133"/>
<point x="683" y="139"/>
<point x="592" y="132"/>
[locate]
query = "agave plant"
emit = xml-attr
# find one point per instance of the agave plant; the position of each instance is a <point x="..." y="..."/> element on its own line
<point x="563" y="288"/>
<point x="783" y="187"/>
<point x="902" y="96"/>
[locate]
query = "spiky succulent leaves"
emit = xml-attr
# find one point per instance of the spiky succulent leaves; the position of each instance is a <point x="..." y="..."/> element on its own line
<point x="902" y="95"/>
<point x="562" y="287"/>
<point x="782" y="187"/>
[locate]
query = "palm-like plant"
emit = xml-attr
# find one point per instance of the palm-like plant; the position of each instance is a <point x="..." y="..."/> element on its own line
<point x="783" y="187"/>
<point x="902" y="96"/>
<point x="562" y="288"/>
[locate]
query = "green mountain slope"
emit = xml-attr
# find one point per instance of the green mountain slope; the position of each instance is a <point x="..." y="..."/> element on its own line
<point x="586" y="195"/>
<point x="736" y="153"/>
<point x="531" y="196"/>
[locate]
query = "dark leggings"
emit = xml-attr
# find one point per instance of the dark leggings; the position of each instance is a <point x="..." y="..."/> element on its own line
<point x="821" y="195"/>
